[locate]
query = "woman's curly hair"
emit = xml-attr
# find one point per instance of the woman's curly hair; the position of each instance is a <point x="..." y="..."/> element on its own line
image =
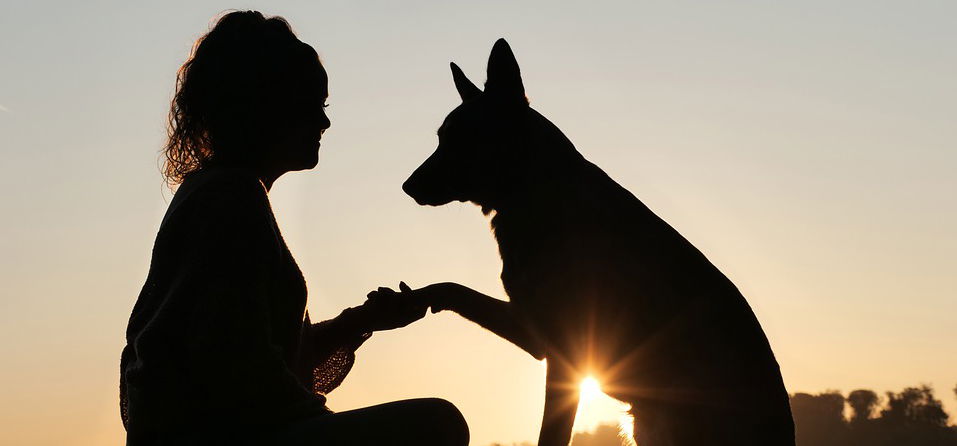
<point x="229" y="91"/>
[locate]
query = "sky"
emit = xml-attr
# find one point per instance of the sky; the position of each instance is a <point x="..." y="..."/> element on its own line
<point x="807" y="148"/>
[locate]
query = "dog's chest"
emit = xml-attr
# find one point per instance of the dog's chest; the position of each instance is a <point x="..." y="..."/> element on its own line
<point x="517" y="280"/>
<point x="531" y="261"/>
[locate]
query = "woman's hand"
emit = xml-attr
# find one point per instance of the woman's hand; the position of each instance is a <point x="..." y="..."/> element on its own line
<point x="386" y="309"/>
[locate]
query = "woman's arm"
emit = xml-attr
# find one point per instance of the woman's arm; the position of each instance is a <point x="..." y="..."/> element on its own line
<point x="346" y="328"/>
<point x="328" y="347"/>
<point x="384" y="310"/>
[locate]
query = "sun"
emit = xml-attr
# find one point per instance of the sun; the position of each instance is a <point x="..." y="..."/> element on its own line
<point x="589" y="389"/>
<point x="596" y="408"/>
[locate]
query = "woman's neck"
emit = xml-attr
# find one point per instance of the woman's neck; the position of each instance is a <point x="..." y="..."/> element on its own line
<point x="268" y="180"/>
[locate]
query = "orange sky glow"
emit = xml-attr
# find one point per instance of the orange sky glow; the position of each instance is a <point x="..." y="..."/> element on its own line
<point x="807" y="148"/>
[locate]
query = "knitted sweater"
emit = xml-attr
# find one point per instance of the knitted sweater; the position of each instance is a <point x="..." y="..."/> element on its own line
<point x="219" y="334"/>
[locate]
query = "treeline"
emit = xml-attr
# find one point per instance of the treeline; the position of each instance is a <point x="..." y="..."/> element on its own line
<point x="912" y="417"/>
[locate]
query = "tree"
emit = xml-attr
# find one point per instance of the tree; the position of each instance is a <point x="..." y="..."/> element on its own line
<point x="862" y="402"/>
<point x="819" y="419"/>
<point x="913" y="417"/>
<point x="915" y="405"/>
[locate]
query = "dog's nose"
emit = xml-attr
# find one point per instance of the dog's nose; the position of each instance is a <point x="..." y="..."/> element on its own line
<point x="409" y="186"/>
<point x="413" y="187"/>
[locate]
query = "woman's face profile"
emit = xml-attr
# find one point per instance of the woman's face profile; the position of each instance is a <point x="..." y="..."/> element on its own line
<point x="302" y="123"/>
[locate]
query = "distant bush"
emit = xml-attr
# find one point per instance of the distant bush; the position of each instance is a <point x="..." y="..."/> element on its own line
<point x="911" y="417"/>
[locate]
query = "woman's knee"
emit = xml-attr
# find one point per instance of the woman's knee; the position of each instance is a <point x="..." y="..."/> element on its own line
<point x="446" y="420"/>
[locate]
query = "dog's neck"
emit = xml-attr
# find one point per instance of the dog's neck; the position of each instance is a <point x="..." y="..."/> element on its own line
<point x="544" y="196"/>
<point x="552" y="181"/>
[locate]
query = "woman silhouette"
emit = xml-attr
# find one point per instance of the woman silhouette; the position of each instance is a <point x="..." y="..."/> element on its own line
<point x="219" y="347"/>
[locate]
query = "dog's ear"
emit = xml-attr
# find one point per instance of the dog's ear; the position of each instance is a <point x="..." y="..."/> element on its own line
<point x="504" y="78"/>
<point x="467" y="90"/>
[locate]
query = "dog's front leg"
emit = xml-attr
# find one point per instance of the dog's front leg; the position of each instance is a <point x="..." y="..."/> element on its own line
<point x="561" y="403"/>
<point x="492" y="314"/>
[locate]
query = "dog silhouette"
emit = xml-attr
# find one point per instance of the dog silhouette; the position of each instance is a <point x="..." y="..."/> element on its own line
<point x="597" y="282"/>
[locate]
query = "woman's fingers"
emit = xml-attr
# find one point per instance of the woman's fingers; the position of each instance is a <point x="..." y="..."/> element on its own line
<point x="380" y="292"/>
<point x="407" y="304"/>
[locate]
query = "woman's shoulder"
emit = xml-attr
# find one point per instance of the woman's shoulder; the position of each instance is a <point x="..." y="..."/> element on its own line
<point x="230" y="181"/>
<point x="219" y="191"/>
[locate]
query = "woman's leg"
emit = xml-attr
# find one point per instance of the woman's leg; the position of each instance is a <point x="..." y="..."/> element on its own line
<point x="421" y="422"/>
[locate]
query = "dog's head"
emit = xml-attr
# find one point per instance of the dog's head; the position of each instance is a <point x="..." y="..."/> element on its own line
<point x="484" y="151"/>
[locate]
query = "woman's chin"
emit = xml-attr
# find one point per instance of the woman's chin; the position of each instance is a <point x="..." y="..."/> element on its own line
<point x="309" y="161"/>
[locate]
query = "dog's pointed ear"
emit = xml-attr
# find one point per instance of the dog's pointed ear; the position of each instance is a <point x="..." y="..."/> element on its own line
<point x="504" y="77"/>
<point x="467" y="90"/>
